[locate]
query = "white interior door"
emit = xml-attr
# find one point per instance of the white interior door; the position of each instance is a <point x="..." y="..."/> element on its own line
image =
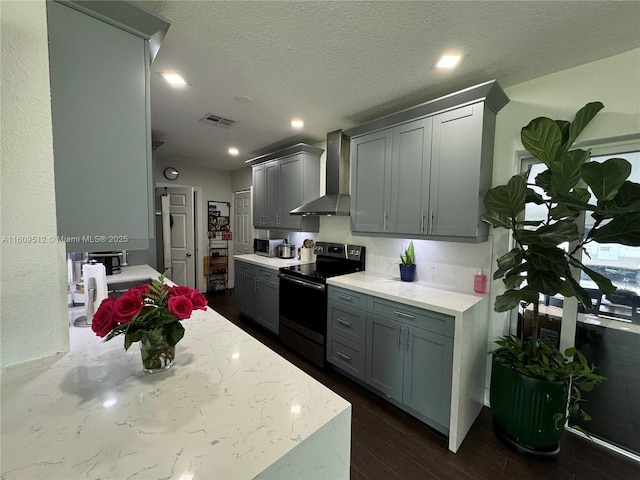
<point x="183" y="257"/>
<point x="243" y="237"/>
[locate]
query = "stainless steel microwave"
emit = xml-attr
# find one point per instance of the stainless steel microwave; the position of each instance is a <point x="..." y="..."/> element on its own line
<point x="267" y="248"/>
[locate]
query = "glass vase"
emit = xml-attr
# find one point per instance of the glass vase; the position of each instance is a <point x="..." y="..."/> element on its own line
<point x="157" y="354"/>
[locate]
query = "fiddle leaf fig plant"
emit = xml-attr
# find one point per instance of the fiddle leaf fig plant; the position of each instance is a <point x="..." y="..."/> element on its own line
<point x="539" y="263"/>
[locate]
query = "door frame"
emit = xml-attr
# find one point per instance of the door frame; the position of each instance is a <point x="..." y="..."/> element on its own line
<point x="199" y="226"/>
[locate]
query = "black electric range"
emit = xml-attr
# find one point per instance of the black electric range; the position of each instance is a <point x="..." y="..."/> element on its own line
<point x="303" y="297"/>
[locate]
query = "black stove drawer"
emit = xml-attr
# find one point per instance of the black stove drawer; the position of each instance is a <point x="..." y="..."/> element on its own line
<point x="348" y="297"/>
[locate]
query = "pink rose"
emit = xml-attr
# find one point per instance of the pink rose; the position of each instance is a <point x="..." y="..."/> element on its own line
<point x="103" y="320"/>
<point x="143" y="289"/>
<point x="180" y="290"/>
<point x="198" y="300"/>
<point x="180" y="306"/>
<point x="128" y="306"/>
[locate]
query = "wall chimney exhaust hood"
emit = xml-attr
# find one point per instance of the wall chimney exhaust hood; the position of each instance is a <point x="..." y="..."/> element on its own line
<point x="336" y="201"/>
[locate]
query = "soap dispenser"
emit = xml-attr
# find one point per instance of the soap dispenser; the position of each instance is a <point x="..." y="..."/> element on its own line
<point x="480" y="282"/>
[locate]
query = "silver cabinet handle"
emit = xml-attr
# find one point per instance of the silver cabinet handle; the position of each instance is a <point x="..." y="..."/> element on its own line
<point x="343" y="356"/>
<point x="422" y="222"/>
<point x="407" y="339"/>
<point x="344" y="322"/>
<point x="344" y="297"/>
<point x="431" y="216"/>
<point x="268" y="275"/>
<point x="384" y="222"/>
<point x="399" y="338"/>
<point x="256" y="288"/>
<point x="277" y="219"/>
<point x="402" y="314"/>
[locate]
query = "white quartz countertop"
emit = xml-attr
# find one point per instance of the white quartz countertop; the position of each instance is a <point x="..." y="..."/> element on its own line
<point x="229" y="408"/>
<point x="418" y="294"/>
<point x="132" y="273"/>
<point x="268" y="262"/>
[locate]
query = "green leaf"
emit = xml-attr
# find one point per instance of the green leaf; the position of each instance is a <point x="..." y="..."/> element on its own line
<point x="542" y="138"/>
<point x="511" y="298"/>
<point x="534" y="197"/>
<point x="603" y="283"/>
<point x="546" y="258"/>
<point x="563" y="125"/>
<point x="624" y="229"/>
<point x="513" y="281"/>
<point x="606" y="178"/>
<point x="550" y="235"/>
<point x="543" y="180"/>
<point x="173" y="332"/>
<point x="547" y="282"/>
<point x="580" y="293"/>
<point x="509" y="199"/>
<point x="496" y="220"/>
<point x="627" y="200"/>
<point x="582" y="119"/>
<point x="578" y="199"/>
<point x="566" y="173"/>
<point x="510" y="259"/>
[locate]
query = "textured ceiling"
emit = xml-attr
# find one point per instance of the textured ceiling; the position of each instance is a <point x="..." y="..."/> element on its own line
<point x="336" y="64"/>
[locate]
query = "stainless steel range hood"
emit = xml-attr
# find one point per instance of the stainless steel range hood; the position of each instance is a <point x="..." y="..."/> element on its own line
<point x="336" y="201"/>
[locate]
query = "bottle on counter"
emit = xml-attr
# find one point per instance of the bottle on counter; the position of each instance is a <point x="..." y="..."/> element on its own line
<point x="480" y="282"/>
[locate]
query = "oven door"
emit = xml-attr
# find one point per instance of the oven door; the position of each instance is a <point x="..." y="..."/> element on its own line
<point x="303" y="316"/>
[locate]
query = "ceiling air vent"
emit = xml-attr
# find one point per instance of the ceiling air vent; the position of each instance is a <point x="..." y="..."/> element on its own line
<point x="218" y="120"/>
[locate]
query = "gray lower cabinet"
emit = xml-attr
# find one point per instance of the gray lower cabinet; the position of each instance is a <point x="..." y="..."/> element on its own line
<point x="282" y="184"/>
<point x="402" y="352"/>
<point x="257" y="294"/>
<point x="346" y="331"/>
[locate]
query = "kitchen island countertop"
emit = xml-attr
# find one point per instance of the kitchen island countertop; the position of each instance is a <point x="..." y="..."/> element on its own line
<point x="229" y="408"/>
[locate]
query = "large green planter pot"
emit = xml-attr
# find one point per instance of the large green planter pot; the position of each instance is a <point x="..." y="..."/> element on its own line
<point x="524" y="407"/>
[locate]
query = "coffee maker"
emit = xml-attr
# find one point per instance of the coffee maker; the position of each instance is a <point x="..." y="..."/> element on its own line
<point x="112" y="261"/>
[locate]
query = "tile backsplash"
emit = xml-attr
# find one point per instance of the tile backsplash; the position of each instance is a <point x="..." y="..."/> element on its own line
<point x="449" y="265"/>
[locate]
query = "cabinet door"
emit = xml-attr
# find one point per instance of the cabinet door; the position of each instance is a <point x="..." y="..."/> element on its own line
<point x="410" y="177"/>
<point x="291" y="195"/>
<point x="259" y="195"/>
<point x="245" y="288"/>
<point x="267" y="311"/>
<point x="272" y="204"/>
<point x="101" y="132"/>
<point x="427" y="374"/>
<point x="385" y="356"/>
<point x="455" y="196"/>
<point x="371" y="181"/>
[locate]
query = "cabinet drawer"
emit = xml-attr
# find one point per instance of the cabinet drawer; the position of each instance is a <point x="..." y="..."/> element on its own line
<point x="346" y="355"/>
<point x="268" y="275"/>
<point x="347" y="321"/>
<point x="348" y="297"/>
<point x="246" y="267"/>
<point x="407" y="314"/>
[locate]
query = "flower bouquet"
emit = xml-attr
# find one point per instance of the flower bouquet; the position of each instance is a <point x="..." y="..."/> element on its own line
<point x="149" y="314"/>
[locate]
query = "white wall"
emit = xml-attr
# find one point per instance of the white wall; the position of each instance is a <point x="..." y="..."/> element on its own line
<point x="34" y="319"/>
<point x="211" y="185"/>
<point x="241" y="179"/>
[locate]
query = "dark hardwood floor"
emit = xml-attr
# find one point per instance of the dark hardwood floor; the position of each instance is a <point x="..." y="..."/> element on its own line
<point x="388" y="444"/>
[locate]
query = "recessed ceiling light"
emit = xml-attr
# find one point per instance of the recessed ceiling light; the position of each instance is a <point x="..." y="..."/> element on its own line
<point x="297" y="123"/>
<point x="242" y="99"/>
<point x="233" y="151"/>
<point x="174" y="78"/>
<point x="448" y="61"/>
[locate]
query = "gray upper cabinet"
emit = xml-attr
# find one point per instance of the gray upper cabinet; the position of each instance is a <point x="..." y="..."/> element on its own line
<point x="423" y="172"/>
<point x="461" y="165"/>
<point x="101" y="125"/>
<point x="371" y="181"/>
<point x="284" y="183"/>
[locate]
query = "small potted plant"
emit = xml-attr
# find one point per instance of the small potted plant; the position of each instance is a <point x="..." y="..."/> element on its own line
<point x="408" y="265"/>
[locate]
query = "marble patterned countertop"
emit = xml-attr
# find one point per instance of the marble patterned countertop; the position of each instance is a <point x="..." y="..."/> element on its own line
<point x="419" y="294"/>
<point x="229" y="408"/>
<point x="269" y="262"/>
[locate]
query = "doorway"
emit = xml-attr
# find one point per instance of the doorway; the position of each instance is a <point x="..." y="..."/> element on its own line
<point x="176" y="238"/>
